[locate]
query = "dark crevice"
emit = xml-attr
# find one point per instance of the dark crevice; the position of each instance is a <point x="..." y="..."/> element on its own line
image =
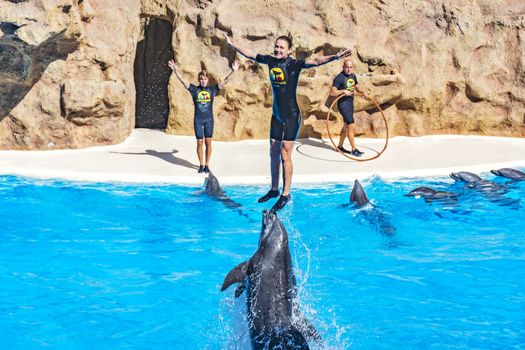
<point x="152" y="75"/>
<point x="8" y="28"/>
<point x="383" y="107"/>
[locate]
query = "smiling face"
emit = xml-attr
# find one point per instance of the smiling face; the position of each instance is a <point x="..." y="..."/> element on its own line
<point x="348" y="67"/>
<point x="281" y="49"/>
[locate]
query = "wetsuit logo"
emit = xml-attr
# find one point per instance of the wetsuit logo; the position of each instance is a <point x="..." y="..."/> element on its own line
<point x="350" y="84"/>
<point x="277" y="76"/>
<point x="203" y="97"/>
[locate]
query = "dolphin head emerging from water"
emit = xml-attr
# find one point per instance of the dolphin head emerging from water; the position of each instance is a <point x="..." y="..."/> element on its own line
<point x="269" y="282"/>
<point x="358" y="195"/>
<point x="422" y="192"/>
<point x="465" y="176"/>
<point x="430" y="194"/>
<point x="212" y="186"/>
<point x="509" y="173"/>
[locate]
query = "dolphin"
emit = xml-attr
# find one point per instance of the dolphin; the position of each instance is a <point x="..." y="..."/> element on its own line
<point x="430" y="194"/>
<point x="493" y="191"/>
<point x="358" y="195"/>
<point x="509" y="173"/>
<point x="465" y="176"/>
<point x="374" y="215"/>
<point x="269" y="282"/>
<point x="473" y="180"/>
<point x="213" y="190"/>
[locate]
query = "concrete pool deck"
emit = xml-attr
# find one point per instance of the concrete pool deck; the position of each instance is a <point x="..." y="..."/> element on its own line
<point x="152" y="156"/>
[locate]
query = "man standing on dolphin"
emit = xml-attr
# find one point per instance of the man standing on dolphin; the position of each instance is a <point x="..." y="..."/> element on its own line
<point x="286" y="117"/>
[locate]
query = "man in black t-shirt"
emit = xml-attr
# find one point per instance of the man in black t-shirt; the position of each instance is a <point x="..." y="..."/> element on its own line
<point x="286" y="117"/>
<point x="203" y="96"/>
<point x="345" y="83"/>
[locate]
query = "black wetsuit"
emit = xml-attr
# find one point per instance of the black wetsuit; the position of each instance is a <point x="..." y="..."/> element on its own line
<point x="284" y="76"/>
<point x="346" y="104"/>
<point x="203" y="101"/>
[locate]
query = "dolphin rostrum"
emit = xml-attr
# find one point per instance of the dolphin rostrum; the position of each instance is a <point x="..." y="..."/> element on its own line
<point x="269" y="282"/>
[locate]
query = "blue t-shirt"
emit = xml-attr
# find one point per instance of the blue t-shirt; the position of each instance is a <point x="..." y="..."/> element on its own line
<point x="284" y="76"/>
<point x="203" y="100"/>
<point x="345" y="82"/>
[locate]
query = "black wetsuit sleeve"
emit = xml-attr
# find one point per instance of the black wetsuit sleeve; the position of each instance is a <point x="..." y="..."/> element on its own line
<point x="300" y="64"/>
<point x="214" y="89"/>
<point x="264" y="59"/>
<point x="339" y="83"/>
<point x="192" y="89"/>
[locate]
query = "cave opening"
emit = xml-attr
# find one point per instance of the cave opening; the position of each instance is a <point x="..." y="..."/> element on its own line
<point x="151" y="73"/>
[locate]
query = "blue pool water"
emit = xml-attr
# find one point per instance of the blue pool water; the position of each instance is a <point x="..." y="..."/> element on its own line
<point x="112" y="266"/>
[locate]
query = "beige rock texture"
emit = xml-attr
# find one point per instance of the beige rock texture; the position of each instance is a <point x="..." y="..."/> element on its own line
<point x="437" y="66"/>
<point x="66" y="77"/>
<point x="434" y="67"/>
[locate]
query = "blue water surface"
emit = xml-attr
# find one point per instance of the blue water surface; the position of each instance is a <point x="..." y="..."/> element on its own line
<point x="115" y="266"/>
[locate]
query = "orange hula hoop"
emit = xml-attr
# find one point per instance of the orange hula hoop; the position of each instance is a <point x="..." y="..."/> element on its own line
<point x="330" y="135"/>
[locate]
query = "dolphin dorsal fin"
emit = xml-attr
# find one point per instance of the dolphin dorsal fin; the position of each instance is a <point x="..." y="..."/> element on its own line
<point x="236" y="275"/>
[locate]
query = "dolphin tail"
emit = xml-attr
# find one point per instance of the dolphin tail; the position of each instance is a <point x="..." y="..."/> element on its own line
<point x="288" y="338"/>
<point x="236" y="275"/>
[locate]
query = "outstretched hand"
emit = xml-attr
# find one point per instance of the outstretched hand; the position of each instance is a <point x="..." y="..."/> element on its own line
<point x="228" y="39"/>
<point x="235" y="65"/>
<point x="171" y="64"/>
<point x="343" y="53"/>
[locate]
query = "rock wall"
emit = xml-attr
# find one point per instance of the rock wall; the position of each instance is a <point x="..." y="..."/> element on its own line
<point x="437" y="66"/>
<point x="434" y="66"/>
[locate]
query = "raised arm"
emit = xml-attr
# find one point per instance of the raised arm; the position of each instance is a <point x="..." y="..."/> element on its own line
<point x="320" y="60"/>
<point x="173" y="67"/>
<point x="248" y="53"/>
<point x="235" y="67"/>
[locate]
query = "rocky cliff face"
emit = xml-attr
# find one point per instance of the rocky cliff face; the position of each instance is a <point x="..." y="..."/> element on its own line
<point x="439" y="66"/>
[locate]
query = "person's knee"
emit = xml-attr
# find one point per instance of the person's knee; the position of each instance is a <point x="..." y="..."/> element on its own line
<point x="208" y="141"/>
<point x="200" y="142"/>
<point x="286" y="152"/>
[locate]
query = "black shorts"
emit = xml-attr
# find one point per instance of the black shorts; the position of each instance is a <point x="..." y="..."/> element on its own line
<point x="348" y="114"/>
<point x="203" y="128"/>
<point x="286" y="131"/>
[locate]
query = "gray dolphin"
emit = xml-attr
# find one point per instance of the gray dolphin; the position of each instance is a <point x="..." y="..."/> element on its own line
<point x="374" y="216"/>
<point x="269" y="282"/>
<point x="465" y="176"/>
<point x="493" y="191"/>
<point x="473" y="180"/>
<point x="430" y="194"/>
<point x="358" y="194"/>
<point x="213" y="190"/>
<point x="509" y="173"/>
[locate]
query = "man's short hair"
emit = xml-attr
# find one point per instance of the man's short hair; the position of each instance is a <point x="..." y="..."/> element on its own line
<point x="203" y="73"/>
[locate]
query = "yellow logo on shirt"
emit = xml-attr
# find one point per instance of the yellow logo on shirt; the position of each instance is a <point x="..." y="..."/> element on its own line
<point x="350" y="83"/>
<point x="203" y="97"/>
<point x="277" y="76"/>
